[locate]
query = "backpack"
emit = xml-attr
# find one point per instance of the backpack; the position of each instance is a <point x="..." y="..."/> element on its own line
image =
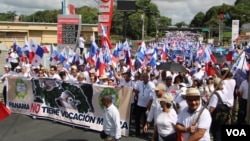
<point x="221" y="114"/>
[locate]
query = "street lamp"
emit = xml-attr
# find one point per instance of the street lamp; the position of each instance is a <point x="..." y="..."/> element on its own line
<point x="142" y="34"/>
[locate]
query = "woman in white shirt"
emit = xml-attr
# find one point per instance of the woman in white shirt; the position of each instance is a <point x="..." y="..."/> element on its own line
<point x="164" y="128"/>
<point x="208" y="89"/>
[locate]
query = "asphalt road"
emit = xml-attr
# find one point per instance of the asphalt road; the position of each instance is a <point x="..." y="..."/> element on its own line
<point x="18" y="127"/>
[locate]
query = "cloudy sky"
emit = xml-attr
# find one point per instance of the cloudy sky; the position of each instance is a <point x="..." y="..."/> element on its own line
<point x="178" y="10"/>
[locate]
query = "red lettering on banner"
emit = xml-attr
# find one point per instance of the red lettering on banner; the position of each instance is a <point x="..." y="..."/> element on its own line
<point x="35" y="108"/>
<point x="104" y="6"/>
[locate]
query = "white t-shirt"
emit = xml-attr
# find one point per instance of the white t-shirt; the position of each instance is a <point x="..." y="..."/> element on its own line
<point x="14" y="57"/>
<point x="154" y="111"/>
<point x="181" y="102"/>
<point x="187" y="119"/>
<point x="81" y="42"/>
<point x="209" y="89"/>
<point x="5" y="77"/>
<point x="166" y="123"/>
<point x="214" y="99"/>
<point x="146" y="93"/>
<point x="170" y="89"/>
<point x="228" y="89"/>
<point x="244" y="89"/>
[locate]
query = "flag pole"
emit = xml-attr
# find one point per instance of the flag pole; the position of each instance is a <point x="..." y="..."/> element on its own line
<point x="223" y="77"/>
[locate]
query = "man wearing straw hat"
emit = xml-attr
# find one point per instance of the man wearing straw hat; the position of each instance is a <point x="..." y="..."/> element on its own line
<point x="191" y="122"/>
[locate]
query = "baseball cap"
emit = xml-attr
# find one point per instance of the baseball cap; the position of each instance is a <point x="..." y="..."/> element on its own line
<point x="7" y="66"/>
<point x="18" y="67"/>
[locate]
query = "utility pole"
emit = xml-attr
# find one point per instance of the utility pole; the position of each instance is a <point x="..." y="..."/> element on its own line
<point x="125" y="15"/>
<point x="142" y="18"/>
<point x="219" y="31"/>
<point x="156" y="29"/>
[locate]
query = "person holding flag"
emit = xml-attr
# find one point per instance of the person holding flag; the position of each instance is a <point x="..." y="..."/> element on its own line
<point x="81" y="44"/>
<point x="187" y="117"/>
<point x="14" y="60"/>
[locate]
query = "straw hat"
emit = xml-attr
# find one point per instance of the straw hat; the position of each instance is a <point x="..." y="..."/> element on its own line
<point x="74" y="67"/>
<point x="217" y="81"/>
<point x="166" y="99"/>
<point x="192" y="92"/>
<point x="92" y="70"/>
<point x="160" y="86"/>
<point x="104" y="76"/>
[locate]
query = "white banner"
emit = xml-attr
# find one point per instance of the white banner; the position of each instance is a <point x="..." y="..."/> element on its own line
<point x="70" y="103"/>
<point x="235" y="30"/>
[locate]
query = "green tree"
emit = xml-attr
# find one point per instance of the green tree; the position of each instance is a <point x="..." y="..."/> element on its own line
<point x="243" y="2"/>
<point x="89" y="15"/>
<point x="134" y="29"/>
<point x="180" y="24"/>
<point x="197" y="20"/>
<point x="9" y="16"/>
<point x="117" y="22"/>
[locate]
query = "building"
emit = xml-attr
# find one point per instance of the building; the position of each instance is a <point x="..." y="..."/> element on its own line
<point x="42" y="33"/>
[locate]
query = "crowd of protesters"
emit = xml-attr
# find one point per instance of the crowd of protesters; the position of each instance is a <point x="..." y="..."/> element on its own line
<point x="171" y="101"/>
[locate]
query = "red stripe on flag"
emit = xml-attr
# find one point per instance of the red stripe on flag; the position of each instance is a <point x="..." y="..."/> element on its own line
<point x="31" y="56"/>
<point x="101" y="69"/>
<point x="209" y="69"/>
<point x="229" y="56"/>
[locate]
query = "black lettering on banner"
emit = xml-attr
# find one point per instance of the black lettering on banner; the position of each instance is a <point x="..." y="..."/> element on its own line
<point x="79" y="116"/>
<point x="99" y="121"/>
<point x="235" y="132"/>
<point x="64" y="114"/>
<point x="49" y="110"/>
<point x="24" y="106"/>
<point x="44" y="109"/>
<point x="124" y="125"/>
<point x="89" y="119"/>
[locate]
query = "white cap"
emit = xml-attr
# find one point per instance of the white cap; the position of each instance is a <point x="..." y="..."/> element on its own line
<point x="7" y="66"/>
<point x="36" y="67"/>
<point x="183" y="84"/>
<point x="18" y="67"/>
